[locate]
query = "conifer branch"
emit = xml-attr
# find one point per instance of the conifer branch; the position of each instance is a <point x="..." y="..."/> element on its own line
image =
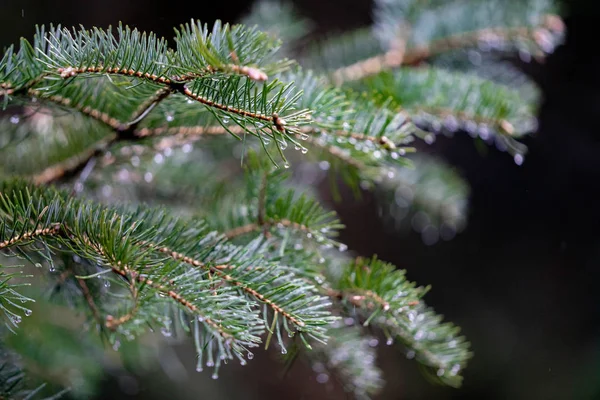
<point x="23" y="238"/>
<point x="74" y="163"/>
<point x="218" y="270"/>
<point x="399" y="55"/>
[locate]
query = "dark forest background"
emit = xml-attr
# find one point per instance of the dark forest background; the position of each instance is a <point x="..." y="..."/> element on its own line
<point x="522" y="280"/>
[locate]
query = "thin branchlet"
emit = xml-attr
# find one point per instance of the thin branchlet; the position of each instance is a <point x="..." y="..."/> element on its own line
<point x="218" y="270"/>
<point x="28" y="236"/>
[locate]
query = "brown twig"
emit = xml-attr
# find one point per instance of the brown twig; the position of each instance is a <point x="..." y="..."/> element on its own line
<point x="413" y="56"/>
<point x="27" y="236"/>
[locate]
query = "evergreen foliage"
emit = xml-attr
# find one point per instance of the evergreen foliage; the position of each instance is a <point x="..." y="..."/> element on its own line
<point x="135" y="228"/>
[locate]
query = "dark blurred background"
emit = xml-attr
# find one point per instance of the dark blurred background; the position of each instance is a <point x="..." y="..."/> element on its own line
<point x="521" y="280"/>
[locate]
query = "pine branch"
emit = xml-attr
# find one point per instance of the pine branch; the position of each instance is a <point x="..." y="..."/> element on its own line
<point x="394" y="304"/>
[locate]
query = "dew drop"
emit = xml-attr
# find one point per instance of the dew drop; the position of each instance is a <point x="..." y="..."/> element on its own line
<point x="165" y="331"/>
<point x="429" y="139"/>
<point x="283" y="350"/>
<point x="324" y="165"/>
<point x="373" y="342"/>
<point x="116" y="345"/>
<point x="226" y="120"/>
<point x="169" y="117"/>
<point x="148" y="177"/>
<point x="283" y="145"/>
<point x="286" y="165"/>
<point x="303" y="136"/>
<point x="14" y="119"/>
<point x="210" y="364"/>
<point x="343" y="247"/>
<point x="243" y="362"/>
<point x="250" y="356"/>
<point x="17" y="319"/>
<point x="158" y="158"/>
<point x="215" y="376"/>
<point x="51" y="268"/>
<point x="321" y="260"/>
<point x="394" y="155"/>
<point x="304" y="150"/>
<point x="402" y="152"/>
<point x="454" y="370"/>
<point x="389" y="341"/>
<point x="106" y="283"/>
<point x="187" y="148"/>
<point x="38" y="265"/>
<point x="27" y="313"/>
<point x="441" y="372"/>
<point x="322" y="378"/>
<point x="199" y="368"/>
<point x="519" y="159"/>
<point x="297" y="147"/>
<point x="135" y="161"/>
<point x="410" y="354"/>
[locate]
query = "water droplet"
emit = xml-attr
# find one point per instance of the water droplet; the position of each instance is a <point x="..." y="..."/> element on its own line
<point x="169" y="116"/>
<point x="106" y="283"/>
<point x="168" y="151"/>
<point x="199" y="368"/>
<point x="324" y="165"/>
<point x="226" y="120"/>
<point x="190" y="101"/>
<point x="14" y="119"/>
<point x="303" y="136"/>
<point x="454" y="370"/>
<point x="243" y="362"/>
<point x="135" y="161"/>
<point x="343" y="247"/>
<point x="297" y="147"/>
<point x="38" y="265"/>
<point x="519" y="159"/>
<point x="106" y="190"/>
<point x="304" y="150"/>
<point x="158" y="158"/>
<point x="283" y="145"/>
<point x="215" y="376"/>
<point x="283" y="350"/>
<point x="321" y="260"/>
<point x="27" y="313"/>
<point x="373" y="342"/>
<point x="441" y="372"/>
<point x="116" y="345"/>
<point x="148" y="177"/>
<point x="389" y="341"/>
<point x="52" y="268"/>
<point x="187" y="148"/>
<point x="394" y="155"/>
<point x="286" y="165"/>
<point x="322" y="378"/>
<point x="429" y="139"/>
<point x="349" y="321"/>
<point x="410" y="354"/>
<point x="165" y="331"/>
<point x="210" y="364"/>
<point x="250" y="356"/>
